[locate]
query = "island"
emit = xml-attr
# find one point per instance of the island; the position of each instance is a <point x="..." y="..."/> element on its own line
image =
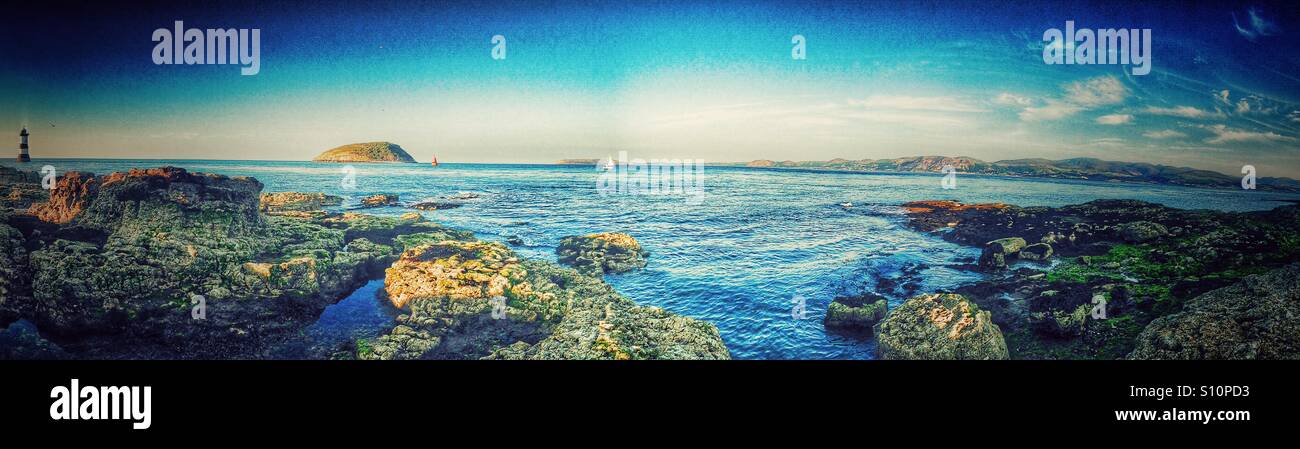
<point x="366" y="152"/>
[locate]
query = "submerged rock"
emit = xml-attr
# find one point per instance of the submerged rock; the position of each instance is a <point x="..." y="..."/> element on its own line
<point x="435" y="205"/>
<point x="474" y="299"/>
<point x="597" y="254"/>
<point x="939" y="327"/>
<point x="1256" y="318"/>
<point x="856" y="313"/>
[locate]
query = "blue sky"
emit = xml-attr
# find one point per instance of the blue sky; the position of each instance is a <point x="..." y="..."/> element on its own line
<point x="712" y="80"/>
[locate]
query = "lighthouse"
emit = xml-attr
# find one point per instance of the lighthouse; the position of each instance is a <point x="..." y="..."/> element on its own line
<point x="22" y="146"/>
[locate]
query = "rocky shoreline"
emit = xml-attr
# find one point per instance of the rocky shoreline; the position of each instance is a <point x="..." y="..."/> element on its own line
<point x="1113" y="279"/>
<point x="168" y="264"/>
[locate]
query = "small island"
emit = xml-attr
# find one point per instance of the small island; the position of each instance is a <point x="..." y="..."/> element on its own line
<point x="366" y="152"/>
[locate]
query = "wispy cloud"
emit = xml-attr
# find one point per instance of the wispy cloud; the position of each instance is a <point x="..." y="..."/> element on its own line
<point x="1053" y="110"/>
<point x="912" y="103"/>
<point x="1256" y="27"/>
<point x="1224" y="134"/>
<point x="1076" y="97"/>
<point x="1163" y="134"/>
<point x="1115" y="119"/>
<point x="1183" y="111"/>
<point x="1100" y="91"/>
<point x="1010" y="99"/>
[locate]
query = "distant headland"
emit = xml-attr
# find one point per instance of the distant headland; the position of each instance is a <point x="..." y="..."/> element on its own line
<point x="1076" y="168"/>
<point x="366" y="152"/>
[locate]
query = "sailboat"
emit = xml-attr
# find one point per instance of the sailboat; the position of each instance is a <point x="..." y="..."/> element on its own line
<point x="435" y="161"/>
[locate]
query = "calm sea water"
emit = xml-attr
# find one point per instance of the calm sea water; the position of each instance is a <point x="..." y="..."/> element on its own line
<point x="740" y="258"/>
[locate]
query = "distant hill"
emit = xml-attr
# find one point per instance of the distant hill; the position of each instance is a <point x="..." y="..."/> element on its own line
<point x="1077" y="168"/>
<point x="366" y="152"/>
<point x="577" y="161"/>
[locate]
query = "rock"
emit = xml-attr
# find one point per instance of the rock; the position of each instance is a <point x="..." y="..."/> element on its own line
<point x="1141" y="231"/>
<point x="435" y="205"/>
<point x="379" y="200"/>
<point x="14" y="274"/>
<point x="156" y="239"/>
<point x="1058" y="324"/>
<point x="597" y="254"/>
<point x="21" y="341"/>
<point x="1256" y="318"/>
<point x="70" y="195"/>
<point x="939" y="326"/>
<point x="366" y="152"/>
<point x="997" y="252"/>
<point x="1037" y="251"/>
<point x="541" y="311"/>
<point x="856" y="313"/>
<point x="280" y="202"/>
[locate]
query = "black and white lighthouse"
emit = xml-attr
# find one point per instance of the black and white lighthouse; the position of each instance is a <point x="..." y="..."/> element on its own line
<point x="22" y="146"/>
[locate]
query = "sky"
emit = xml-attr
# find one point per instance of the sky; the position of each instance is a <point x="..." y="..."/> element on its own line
<point x="703" y="80"/>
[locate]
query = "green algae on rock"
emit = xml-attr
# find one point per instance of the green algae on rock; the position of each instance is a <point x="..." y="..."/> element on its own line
<point x="856" y="314"/>
<point x="1256" y="318"/>
<point x="366" y="152"/>
<point x="939" y="327"/>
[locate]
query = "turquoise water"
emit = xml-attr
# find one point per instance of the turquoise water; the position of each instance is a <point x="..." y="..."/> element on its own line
<point x="738" y="257"/>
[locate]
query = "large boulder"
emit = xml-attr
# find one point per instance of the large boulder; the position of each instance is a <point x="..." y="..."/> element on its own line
<point x="597" y="254"/>
<point x="1256" y="318"/>
<point x="939" y="327"/>
<point x="474" y="299"/>
<point x="856" y="313"/>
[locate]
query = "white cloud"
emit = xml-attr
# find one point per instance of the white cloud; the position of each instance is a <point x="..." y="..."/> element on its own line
<point x="1222" y="97"/>
<point x="1224" y="134"/>
<point x="1163" y="134"/>
<point x="1182" y="111"/>
<point x="1100" y="91"/>
<point x="1115" y="119"/>
<point x="1243" y="107"/>
<point x="904" y="102"/>
<point x="1078" y="96"/>
<point x="1010" y="99"/>
<point x="1054" y="110"/>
